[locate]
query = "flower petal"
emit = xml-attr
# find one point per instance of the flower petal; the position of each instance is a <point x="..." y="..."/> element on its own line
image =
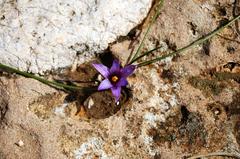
<point x="128" y="70"/>
<point x="122" y="82"/>
<point x="105" y="84"/>
<point x="116" y="91"/>
<point x="102" y="69"/>
<point x="115" y="66"/>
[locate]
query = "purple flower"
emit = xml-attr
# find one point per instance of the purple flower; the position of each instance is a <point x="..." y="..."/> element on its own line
<point x="115" y="77"/>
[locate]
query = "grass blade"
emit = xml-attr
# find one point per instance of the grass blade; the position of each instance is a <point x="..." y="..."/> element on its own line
<point x="197" y="42"/>
<point x="54" y="84"/>
<point x="160" y="4"/>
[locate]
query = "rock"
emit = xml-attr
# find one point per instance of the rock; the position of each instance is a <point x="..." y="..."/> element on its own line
<point x="37" y="36"/>
<point x="20" y="143"/>
<point x="163" y="116"/>
<point x="89" y="103"/>
<point x="122" y="51"/>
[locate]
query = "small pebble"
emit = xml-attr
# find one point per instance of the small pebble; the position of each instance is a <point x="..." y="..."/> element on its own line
<point x="99" y="77"/>
<point x="20" y="143"/>
<point x="88" y="103"/>
<point x="217" y="112"/>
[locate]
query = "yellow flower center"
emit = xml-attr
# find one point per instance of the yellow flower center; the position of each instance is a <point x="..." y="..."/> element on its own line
<point x="114" y="78"/>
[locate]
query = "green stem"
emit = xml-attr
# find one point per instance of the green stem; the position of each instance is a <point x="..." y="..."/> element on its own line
<point x="47" y="82"/>
<point x="235" y="155"/>
<point x="145" y="54"/>
<point x="197" y="42"/>
<point x="148" y="29"/>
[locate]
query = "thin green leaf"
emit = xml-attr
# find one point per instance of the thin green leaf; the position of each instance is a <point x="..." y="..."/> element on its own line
<point x="197" y="42"/>
<point x="148" y="29"/>
<point x="54" y="84"/>
<point x="145" y="54"/>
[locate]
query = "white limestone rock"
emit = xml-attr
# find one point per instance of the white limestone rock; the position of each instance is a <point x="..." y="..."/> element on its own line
<point x="40" y="35"/>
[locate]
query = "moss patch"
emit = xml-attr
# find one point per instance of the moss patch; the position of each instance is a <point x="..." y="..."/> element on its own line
<point x="185" y="128"/>
<point x="208" y="86"/>
<point x="221" y="76"/>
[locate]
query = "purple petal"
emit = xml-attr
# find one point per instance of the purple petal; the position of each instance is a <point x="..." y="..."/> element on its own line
<point x="105" y="84"/>
<point x="115" y="66"/>
<point x="116" y="91"/>
<point x="128" y="70"/>
<point x="122" y="82"/>
<point x="102" y="69"/>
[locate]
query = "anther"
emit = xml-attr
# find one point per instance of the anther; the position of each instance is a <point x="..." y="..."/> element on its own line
<point x="114" y="78"/>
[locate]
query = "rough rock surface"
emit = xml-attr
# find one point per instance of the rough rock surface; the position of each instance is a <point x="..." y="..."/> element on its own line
<point x="37" y="35"/>
<point x="173" y="109"/>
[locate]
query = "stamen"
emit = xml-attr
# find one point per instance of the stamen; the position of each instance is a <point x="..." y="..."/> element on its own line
<point x="114" y="78"/>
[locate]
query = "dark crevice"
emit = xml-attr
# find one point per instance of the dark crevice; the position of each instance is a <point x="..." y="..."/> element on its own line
<point x="206" y="47"/>
<point x="171" y="45"/>
<point x="236" y="11"/>
<point x="107" y="58"/>
<point x="185" y="114"/>
<point x="193" y="27"/>
<point x="231" y="65"/>
<point x="168" y="74"/>
<point x="234" y="107"/>
<point x="222" y="11"/>
<point x="230" y="50"/>
<point x="3" y="103"/>
<point x="223" y="22"/>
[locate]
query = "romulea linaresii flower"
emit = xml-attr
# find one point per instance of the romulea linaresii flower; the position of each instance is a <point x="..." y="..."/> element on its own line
<point x="115" y="77"/>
